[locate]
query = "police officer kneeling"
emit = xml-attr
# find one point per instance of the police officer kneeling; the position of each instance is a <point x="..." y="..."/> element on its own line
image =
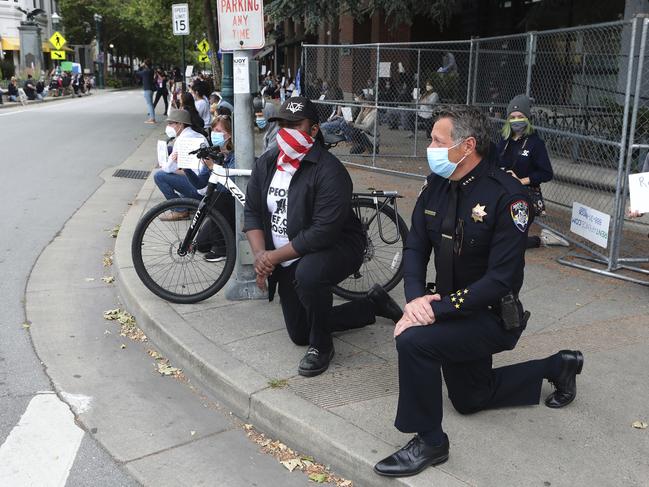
<point x="476" y="218"/>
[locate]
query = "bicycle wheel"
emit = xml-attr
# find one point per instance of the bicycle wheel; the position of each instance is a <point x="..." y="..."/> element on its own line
<point x="382" y="262"/>
<point x="189" y="278"/>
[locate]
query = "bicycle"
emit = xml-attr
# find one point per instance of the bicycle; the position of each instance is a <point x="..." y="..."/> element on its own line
<point x="165" y="253"/>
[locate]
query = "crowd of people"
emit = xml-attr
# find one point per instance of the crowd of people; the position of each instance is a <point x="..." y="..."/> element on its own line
<point x="57" y="83"/>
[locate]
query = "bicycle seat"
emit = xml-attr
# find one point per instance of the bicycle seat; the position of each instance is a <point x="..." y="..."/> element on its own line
<point x="332" y="139"/>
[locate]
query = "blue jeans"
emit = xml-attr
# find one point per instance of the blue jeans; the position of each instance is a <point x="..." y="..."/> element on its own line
<point x="172" y="185"/>
<point x="338" y="125"/>
<point x="148" y="98"/>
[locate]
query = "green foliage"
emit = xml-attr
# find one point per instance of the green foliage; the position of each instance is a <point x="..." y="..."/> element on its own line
<point x="312" y="13"/>
<point x="113" y="82"/>
<point x="7" y="69"/>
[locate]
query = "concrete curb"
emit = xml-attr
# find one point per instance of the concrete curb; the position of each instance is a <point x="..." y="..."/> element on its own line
<point x="281" y="413"/>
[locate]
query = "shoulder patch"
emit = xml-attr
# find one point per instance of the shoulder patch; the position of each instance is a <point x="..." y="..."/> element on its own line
<point x="520" y="211"/>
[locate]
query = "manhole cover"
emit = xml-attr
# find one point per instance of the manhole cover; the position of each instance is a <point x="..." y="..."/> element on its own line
<point x="131" y="174"/>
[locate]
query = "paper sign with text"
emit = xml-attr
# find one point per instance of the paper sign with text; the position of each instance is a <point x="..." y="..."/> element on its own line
<point x="347" y="114"/>
<point x="241" y="75"/>
<point x="384" y="70"/>
<point x="162" y="153"/>
<point x="183" y="146"/>
<point x="241" y="24"/>
<point x="591" y="224"/>
<point x="639" y="192"/>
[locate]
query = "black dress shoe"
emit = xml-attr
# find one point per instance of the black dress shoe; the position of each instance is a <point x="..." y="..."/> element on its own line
<point x="384" y="305"/>
<point x="412" y="458"/>
<point x="314" y="362"/>
<point x="566" y="383"/>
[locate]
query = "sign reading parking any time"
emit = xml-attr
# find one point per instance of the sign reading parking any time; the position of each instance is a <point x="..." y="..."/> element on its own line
<point x="241" y="24"/>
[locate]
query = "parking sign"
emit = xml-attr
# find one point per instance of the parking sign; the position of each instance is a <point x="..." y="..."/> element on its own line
<point x="241" y="24"/>
<point x="180" y="19"/>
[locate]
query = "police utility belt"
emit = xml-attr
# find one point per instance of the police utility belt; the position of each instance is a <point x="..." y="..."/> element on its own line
<point x="510" y="310"/>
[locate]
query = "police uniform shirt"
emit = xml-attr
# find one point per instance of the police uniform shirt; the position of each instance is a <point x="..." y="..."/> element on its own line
<point x="493" y="218"/>
<point x="527" y="157"/>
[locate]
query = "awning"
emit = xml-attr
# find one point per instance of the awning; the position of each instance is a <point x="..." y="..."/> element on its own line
<point x="264" y="52"/>
<point x="10" y="44"/>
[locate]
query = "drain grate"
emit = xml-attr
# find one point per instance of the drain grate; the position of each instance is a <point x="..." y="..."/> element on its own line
<point x="131" y="174"/>
<point x="346" y="386"/>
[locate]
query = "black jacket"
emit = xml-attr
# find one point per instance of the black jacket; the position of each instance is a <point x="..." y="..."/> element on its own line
<point x="320" y="214"/>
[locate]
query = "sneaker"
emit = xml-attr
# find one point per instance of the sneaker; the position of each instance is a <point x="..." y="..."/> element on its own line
<point x="550" y="239"/>
<point x="214" y="256"/>
<point x="150" y="121"/>
<point x="173" y="216"/>
<point x="314" y="362"/>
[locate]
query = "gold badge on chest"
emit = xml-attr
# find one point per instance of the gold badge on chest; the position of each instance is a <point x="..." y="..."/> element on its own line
<point x="478" y="213"/>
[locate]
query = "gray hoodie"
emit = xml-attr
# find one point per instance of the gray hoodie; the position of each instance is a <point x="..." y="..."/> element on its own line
<point x="270" y="142"/>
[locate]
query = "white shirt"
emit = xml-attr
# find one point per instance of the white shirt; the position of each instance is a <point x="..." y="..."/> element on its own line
<point x="172" y="165"/>
<point x="277" y="202"/>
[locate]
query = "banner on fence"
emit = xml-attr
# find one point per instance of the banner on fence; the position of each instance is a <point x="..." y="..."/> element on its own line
<point x="639" y="192"/>
<point x="591" y="224"/>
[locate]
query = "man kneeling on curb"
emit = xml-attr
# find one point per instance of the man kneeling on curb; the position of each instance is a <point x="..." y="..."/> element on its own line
<point x="475" y="217"/>
<point x="306" y="238"/>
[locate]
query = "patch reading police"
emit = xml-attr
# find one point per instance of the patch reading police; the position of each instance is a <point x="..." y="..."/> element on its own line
<point x="520" y="212"/>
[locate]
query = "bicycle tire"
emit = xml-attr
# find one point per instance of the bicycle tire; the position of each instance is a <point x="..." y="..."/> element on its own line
<point x="197" y="279"/>
<point x="375" y="267"/>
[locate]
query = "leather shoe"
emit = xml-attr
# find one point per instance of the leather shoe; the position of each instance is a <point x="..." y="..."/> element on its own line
<point x="413" y="458"/>
<point x="565" y="384"/>
<point x="314" y="362"/>
<point x="384" y="305"/>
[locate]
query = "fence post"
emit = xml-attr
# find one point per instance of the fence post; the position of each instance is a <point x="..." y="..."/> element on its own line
<point x="376" y="101"/>
<point x="303" y="76"/>
<point x="469" y="73"/>
<point x="622" y="172"/>
<point x="475" y="71"/>
<point x="414" y="115"/>
<point x="531" y="40"/>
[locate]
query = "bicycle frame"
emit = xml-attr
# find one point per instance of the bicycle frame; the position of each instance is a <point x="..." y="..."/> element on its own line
<point x="388" y="197"/>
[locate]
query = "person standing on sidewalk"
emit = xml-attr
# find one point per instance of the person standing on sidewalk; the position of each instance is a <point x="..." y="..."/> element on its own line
<point x="306" y="237"/>
<point x="146" y="76"/>
<point x="475" y="217"/>
<point x="161" y="89"/>
<point x="522" y="153"/>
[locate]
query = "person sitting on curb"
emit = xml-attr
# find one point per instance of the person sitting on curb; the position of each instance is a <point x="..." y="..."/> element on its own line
<point x="309" y="239"/>
<point x="12" y="90"/>
<point x="171" y="181"/>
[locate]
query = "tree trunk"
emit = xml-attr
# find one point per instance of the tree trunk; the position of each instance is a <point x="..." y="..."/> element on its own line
<point x="213" y="38"/>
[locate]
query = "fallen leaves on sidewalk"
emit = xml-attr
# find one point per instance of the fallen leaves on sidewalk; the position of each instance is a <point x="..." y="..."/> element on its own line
<point x="163" y="366"/>
<point x="114" y="231"/>
<point x="128" y="325"/>
<point x="108" y="258"/>
<point x="108" y="279"/>
<point x="641" y="425"/>
<point x="27" y="325"/>
<point x="293" y="460"/>
<point x="277" y="383"/>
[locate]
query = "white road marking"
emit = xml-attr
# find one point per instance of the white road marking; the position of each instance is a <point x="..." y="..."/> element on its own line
<point x="41" y="448"/>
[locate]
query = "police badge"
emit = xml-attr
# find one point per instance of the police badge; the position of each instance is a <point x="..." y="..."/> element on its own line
<point x="520" y="212"/>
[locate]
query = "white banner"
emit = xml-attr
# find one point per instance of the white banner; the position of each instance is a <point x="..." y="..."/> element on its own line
<point x="591" y="224"/>
<point x="639" y="192"/>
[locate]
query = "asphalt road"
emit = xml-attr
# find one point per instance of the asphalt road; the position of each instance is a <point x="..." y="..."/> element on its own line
<point x="52" y="155"/>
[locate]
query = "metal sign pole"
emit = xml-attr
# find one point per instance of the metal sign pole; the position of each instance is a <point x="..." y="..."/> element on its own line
<point x="243" y="285"/>
<point x="183" y="61"/>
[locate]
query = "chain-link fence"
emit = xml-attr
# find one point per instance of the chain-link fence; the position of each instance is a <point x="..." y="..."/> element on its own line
<point x="378" y="101"/>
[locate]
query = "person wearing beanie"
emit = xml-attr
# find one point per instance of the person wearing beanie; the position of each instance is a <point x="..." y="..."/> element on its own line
<point x="522" y="153"/>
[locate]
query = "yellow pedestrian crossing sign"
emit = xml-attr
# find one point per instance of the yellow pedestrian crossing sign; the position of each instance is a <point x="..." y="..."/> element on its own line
<point x="58" y="40"/>
<point x="204" y="46"/>
<point x="203" y="58"/>
<point x="58" y="55"/>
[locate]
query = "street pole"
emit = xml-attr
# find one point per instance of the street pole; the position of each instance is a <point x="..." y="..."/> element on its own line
<point x="100" y="56"/>
<point x="227" y="91"/>
<point x="243" y="286"/>
<point x="182" y="38"/>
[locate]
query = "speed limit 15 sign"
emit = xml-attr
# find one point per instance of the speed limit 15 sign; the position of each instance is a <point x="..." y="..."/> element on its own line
<point x="180" y="19"/>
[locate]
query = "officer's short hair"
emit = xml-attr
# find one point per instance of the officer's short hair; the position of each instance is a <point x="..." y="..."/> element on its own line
<point x="467" y="122"/>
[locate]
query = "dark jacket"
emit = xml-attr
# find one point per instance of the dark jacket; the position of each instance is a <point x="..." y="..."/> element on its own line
<point x="527" y="157"/>
<point x="146" y="75"/>
<point x="493" y="219"/>
<point x="320" y="214"/>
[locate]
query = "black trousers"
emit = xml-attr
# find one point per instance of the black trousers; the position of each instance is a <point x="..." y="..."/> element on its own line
<point x="307" y="302"/>
<point x="462" y="349"/>
<point x="163" y="94"/>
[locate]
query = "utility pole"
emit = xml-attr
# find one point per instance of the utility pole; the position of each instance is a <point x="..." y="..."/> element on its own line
<point x="100" y="55"/>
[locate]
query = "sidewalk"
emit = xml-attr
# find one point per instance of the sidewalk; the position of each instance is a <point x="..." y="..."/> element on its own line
<point x="344" y="418"/>
<point x="16" y="104"/>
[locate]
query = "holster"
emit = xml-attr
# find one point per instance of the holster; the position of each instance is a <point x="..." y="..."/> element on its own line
<point x="511" y="312"/>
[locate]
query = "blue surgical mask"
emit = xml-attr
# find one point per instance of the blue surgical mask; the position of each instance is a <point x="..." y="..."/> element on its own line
<point x="261" y="123"/>
<point x="439" y="162"/>
<point x="218" y="139"/>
